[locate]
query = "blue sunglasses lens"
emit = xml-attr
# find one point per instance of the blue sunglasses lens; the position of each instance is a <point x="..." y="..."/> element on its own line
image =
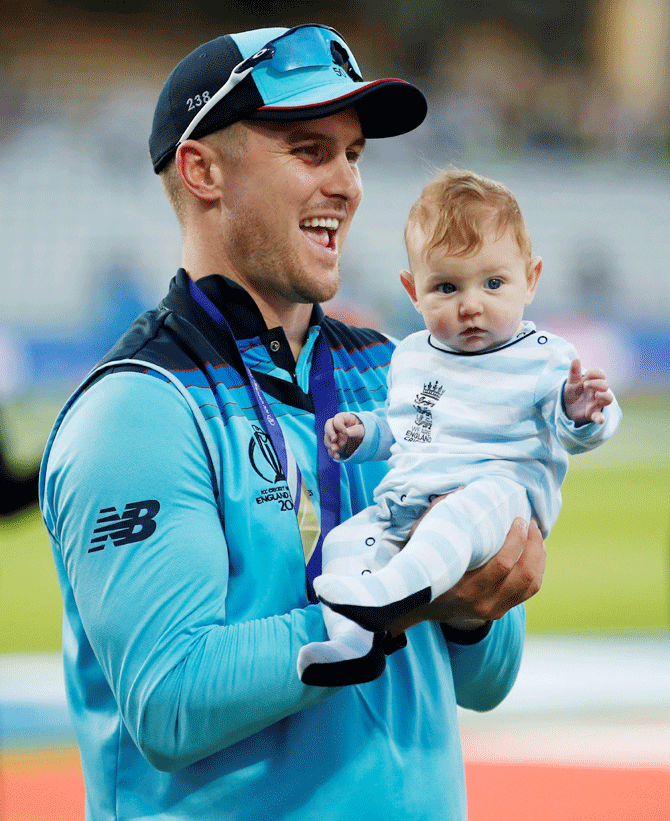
<point x="300" y="47"/>
<point x="311" y="47"/>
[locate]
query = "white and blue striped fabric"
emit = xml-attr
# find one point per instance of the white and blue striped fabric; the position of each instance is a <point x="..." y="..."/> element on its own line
<point x="452" y="418"/>
<point x="491" y="422"/>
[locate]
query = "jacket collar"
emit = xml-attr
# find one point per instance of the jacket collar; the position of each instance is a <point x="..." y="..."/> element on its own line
<point x="239" y="309"/>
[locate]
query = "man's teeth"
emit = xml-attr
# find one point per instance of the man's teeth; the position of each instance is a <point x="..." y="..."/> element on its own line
<point x="321" y="222"/>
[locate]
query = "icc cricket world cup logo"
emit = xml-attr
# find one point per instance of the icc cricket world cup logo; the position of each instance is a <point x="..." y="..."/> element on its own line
<point x="263" y="457"/>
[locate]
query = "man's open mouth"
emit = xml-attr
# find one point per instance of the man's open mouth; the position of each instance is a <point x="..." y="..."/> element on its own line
<point x="321" y="230"/>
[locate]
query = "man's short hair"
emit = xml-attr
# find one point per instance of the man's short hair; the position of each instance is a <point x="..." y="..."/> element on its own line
<point x="230" y="141"/>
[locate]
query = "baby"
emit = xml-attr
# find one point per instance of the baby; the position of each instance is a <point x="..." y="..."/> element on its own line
<point x="480" y="403"/>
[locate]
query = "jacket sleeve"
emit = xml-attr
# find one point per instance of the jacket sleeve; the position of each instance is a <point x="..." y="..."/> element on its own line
<point x="484" y="672"/>
<point x="152" y="599"/>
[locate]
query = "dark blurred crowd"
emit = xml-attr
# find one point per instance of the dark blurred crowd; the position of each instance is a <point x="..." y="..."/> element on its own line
<point x="17" y="491"/>
<point x="492" y="86"/>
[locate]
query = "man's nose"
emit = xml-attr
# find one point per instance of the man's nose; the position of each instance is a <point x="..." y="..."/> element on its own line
<point x="343" y="180"/>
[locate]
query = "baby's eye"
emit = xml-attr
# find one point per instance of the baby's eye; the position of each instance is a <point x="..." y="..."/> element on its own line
<point x="446" y="288"/>
<point x="494" y="283"/>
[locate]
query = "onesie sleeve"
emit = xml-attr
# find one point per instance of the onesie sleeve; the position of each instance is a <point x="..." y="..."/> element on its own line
<point x="378" y="438"/>
<point x="549" y="396"/>
<point x="128" y="464"/>
<point x="579" y="439"/>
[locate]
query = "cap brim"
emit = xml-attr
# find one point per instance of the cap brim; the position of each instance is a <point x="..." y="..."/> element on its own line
<point x="386" y="108"/>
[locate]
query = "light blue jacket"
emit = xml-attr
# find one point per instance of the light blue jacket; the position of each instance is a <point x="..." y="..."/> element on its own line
<point x="183" y="583"/>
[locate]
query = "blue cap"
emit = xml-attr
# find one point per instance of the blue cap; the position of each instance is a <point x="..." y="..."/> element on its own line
<point x="286" y="75"/>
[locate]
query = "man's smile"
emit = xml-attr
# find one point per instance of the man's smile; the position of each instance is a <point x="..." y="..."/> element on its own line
<point x="322" y="231"/>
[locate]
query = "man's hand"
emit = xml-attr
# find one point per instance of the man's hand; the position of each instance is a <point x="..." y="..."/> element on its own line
<point x="512" y="576"/>
<point x="343" y="434"/>
<point x="585" y="396"/>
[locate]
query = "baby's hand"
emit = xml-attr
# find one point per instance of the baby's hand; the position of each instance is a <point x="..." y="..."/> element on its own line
<point x="343" y="434"/>
<point x="584" y="397"/>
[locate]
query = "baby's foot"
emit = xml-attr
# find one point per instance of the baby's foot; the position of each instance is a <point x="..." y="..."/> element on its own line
<point x="376" y="600"/>
<point x="342" y="661"/>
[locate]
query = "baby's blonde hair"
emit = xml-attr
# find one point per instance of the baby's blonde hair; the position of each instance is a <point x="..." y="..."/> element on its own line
<point x="457" y="207"/>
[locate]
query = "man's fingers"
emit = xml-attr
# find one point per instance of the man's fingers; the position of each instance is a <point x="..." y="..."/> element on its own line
<point x="532" y="562"/>
<point x="524" y="578"/>
<point x="490" y="579"/>
<point x="514" y="544"/>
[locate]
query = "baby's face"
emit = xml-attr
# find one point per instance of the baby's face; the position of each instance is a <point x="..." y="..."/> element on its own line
<point x="472" y="303"/>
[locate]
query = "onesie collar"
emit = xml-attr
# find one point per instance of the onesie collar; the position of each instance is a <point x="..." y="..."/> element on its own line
<point x="526" y="329"/>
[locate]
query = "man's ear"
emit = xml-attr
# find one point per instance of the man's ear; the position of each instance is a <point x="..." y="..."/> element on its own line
<point x="199" y="170"/>
<point x="532" y="277"/>
<point x="408" y="283"/>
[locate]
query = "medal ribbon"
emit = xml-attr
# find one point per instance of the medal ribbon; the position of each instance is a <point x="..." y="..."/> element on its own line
<point x="323" y="391"/>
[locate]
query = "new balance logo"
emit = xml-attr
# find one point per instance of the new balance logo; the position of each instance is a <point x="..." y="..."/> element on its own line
<point x="135" y="524"/>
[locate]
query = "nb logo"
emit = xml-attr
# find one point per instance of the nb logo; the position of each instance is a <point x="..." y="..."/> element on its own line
<point x="135" y="524"/>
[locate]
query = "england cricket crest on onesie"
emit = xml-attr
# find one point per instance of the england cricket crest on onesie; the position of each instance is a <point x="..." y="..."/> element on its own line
<point x="423" y="404"/>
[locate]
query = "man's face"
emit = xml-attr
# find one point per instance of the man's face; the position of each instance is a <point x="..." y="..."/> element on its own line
<point x="288" y="203"/>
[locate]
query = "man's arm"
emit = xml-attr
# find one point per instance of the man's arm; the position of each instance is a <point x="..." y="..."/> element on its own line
<point x="509" y="578"/>
<point x="483" y="619"/>
<point x="152" y="599"/>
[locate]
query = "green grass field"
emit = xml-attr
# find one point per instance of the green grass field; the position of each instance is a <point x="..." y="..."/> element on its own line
<point x="608" y="556"/>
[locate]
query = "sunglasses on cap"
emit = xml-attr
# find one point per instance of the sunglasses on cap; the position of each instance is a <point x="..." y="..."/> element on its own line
<point x="306" y="46"/>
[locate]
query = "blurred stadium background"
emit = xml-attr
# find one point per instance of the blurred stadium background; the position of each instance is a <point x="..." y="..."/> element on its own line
<point x="569" y="104"/>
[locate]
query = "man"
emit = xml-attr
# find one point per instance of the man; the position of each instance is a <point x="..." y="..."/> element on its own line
<point x="186" y="492"/>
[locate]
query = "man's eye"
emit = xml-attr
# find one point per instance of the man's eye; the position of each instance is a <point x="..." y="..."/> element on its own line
<point x="446" y="288"/>
<point x="312" y="152"/>
<point x="494" y="283"/>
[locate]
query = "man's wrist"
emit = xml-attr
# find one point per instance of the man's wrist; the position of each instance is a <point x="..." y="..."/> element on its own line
<point x="466" y="631"/>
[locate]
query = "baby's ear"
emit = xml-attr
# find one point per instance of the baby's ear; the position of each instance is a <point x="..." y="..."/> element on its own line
<point x="534" y="271"/>
<point x="408" y="283"/>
